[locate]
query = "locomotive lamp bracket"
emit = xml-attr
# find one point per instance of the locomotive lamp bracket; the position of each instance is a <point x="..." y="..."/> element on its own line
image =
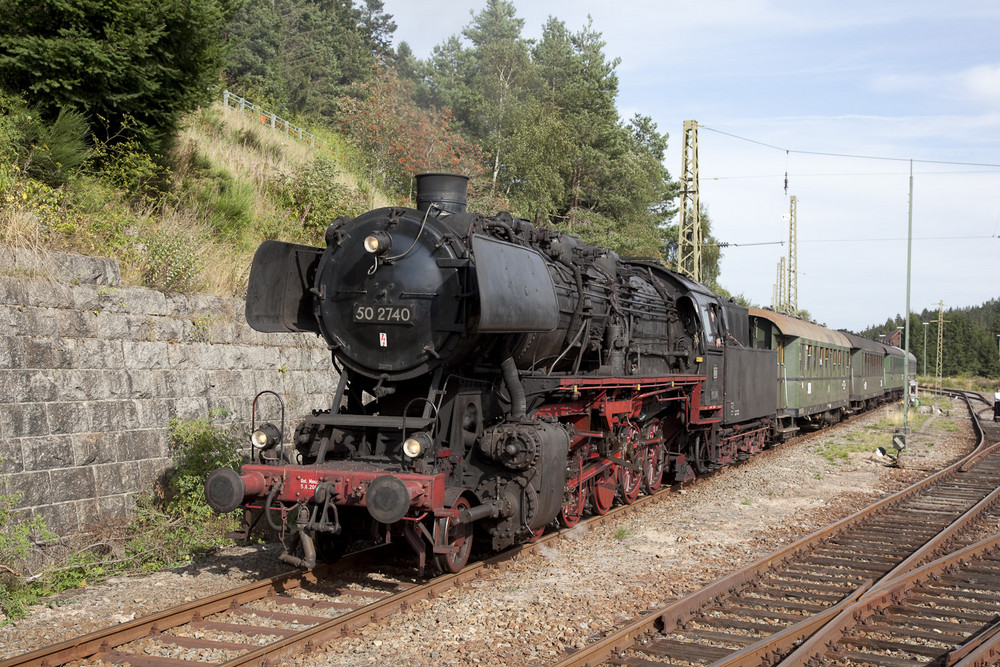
<point x="270" y="436"/>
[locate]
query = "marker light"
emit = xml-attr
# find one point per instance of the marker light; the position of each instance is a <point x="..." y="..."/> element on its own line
<point x="266" y="436"/>
<point x="378" y="243"/>
<point x="416" y="445"/>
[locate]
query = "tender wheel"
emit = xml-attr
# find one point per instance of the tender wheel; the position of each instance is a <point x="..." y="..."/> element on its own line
<point x="459" y="537"/>
<point x="654" y="459"/>
<point x="572" y="510"/>
<point x="603" y="488"/>
<point x="630" y="478"/>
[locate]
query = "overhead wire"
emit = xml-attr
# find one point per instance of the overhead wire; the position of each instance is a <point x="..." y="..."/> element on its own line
<point x="789" y="151"/>
<point x="849" y="155"/>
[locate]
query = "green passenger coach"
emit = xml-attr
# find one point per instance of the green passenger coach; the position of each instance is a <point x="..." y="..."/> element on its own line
<point x="868" y="372"/>
<point x="813" y="371"/>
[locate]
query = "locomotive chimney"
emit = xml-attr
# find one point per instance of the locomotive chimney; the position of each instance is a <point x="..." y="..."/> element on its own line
<point x="447" y="191"/>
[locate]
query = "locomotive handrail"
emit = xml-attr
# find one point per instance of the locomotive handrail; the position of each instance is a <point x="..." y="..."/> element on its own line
<point x="379" y="421"/>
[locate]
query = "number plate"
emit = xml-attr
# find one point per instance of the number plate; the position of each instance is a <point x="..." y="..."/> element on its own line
<point x="384" y="313"/>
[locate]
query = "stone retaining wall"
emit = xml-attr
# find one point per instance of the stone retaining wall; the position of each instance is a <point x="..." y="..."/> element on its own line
<point x="91" y="373"/>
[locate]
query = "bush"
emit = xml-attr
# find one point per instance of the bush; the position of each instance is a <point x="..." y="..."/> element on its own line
<point x="172" y="263"/>
<point x="126" y="165"/>
<point x="17" y="538"/>
<point x="49" y="152"/>
<point x="170" y="526"/>
<point x="199" y="448"/>
<point x="319" y="196"/>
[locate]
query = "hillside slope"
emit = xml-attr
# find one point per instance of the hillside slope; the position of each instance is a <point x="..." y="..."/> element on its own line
<point x="192" y="226"/>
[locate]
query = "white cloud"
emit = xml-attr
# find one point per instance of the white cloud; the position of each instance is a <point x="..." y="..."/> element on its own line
<point x="982" y="84"/>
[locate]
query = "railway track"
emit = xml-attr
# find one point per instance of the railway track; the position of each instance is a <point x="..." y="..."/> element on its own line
<point x="761" y="613"/>
<point x="277" y="618"/>
<point x="283" y="616"/>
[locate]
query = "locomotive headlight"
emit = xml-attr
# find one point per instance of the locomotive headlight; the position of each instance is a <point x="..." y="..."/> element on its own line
<point x="266" y="436"/>
<point x="416" y="445"/>
<point x="378" y="243"/>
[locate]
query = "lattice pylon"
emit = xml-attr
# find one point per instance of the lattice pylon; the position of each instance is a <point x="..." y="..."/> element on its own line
<point x="689" y="234"/>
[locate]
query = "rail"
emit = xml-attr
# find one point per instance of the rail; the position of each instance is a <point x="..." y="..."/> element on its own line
<point x="658" y="623"/>
<point x="269" y="118"/>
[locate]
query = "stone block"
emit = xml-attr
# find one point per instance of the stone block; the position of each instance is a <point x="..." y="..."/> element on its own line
<point x="18" y="420"/>
<point x="72" y="483"/>
<point x="160" y="444"/>
<point x="167" y="329"/>
<point x="152" y="471"/>
<point x="112" y="416"/>
<point x="137" y="445"/>
<point x="143" y="301"/>
<point x="84" y="299"/>
<point x="67" y="417"/>
<point x="114" y="326"/>
<point x="41" y="322"/>
<point x="76" y="323"/>
<point x="11" y="457"/>
<point x="47" y="453"/>
<point x="179" y="306"/>
<point x="193" y="383"/>
<point x="95" y="448"/>
<point x="20" y="321"/>
<point x="73" y="268"/>
<point x="227" y="408"/>
<point x="116" y="507"/>
<point x="13" y="291"/>
<point x="28" y="386"/>
<point x="13" y="316"/>
<point x="153" y="413"/>
<point x="46" y="352"/>
<point x="224" y="333"/>
<point x="145" y="355"/>
<point x="188" y="407"/>
<point x="33" y="487"/>
<point x="60" y="518"/>
<point x="117" y="478"/>
<point x="11" y="352"/>
<point x="98" y="353"/>
<point x="230" y="383"/>
<point x="88" y="513"/>
<point x="120" y="385"/>
<point x="145" y="384"/>
<point x="86" y="385"/>
<point x="188" y="355"/>
<point x="48" y="294"/>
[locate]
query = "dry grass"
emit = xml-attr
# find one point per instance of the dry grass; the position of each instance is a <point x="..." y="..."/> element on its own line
<point x="234" y="183"/>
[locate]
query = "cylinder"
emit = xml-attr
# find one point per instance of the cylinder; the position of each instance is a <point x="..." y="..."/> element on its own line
<point x="447" y="191"/>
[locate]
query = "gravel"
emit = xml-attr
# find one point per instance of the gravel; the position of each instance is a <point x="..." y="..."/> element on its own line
<point x="579" y="587"/>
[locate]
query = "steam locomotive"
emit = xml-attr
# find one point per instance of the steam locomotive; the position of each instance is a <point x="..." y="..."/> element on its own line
<point x="497" y="378"/>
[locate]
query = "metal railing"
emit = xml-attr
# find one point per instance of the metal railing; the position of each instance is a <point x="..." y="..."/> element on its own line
<point x="268" y="118"/>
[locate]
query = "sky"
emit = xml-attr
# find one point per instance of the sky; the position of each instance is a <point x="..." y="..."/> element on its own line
<point x="839" y="95"/>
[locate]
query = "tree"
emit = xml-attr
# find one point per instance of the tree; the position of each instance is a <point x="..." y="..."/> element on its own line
<point x="378" y="27"/>
<point x="131" y="68"/>
<point x="501" y="67"/>
<point x="399" y="138"/>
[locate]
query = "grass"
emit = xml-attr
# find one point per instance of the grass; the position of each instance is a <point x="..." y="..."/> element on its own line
<point x="192" y="222"/>
<point x="623" y="533"/>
